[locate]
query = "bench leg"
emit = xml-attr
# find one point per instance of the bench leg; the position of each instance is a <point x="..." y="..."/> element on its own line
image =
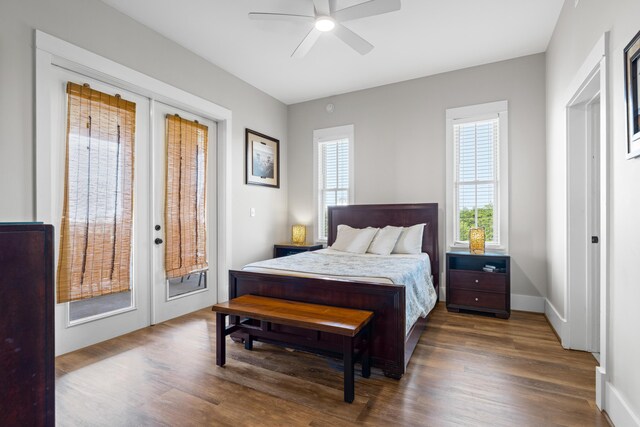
<point x="366" y="354"/>
<point x="220" y="338"/>
<point x="349" y="380"/>
<point x="248" y="343"/>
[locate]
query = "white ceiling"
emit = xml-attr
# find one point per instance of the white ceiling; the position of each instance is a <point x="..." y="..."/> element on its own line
<point x="425" y="37"/>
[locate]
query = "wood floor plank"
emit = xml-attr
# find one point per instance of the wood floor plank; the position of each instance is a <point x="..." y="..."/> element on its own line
<point x="297" y="390"/>
<point x="466" y="370"/>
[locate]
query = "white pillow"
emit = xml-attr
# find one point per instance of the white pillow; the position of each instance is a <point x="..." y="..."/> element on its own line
<point x="354" y="240"/>
<point x="385" y="240"/>
<point x="410" y="240"/>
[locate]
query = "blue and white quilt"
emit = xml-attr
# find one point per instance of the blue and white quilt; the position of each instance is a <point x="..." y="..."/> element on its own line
<point x="412" y="271"/>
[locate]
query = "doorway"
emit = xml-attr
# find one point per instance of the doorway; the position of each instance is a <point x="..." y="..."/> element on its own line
<point x="150" y="297"/>
<point x="584" y="207"/>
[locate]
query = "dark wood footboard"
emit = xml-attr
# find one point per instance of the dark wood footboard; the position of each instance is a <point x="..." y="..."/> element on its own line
<point x="388" y="350"/>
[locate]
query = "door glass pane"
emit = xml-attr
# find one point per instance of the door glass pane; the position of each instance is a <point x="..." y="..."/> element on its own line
<point x="185" y="206"/>
<point x="94" y="270"/>
<point x="189" y="283"/>
<point x="84" y="309"/>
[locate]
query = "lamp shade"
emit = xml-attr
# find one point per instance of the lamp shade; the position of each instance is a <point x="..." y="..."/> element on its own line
<point x="298" y="234"/>
<point x="476" y="240"/>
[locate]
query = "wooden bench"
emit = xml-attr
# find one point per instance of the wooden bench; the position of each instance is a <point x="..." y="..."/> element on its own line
<point x="352" y="325"/>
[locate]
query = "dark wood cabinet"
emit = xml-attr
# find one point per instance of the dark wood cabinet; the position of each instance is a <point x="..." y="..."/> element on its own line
<point x="26" y="325"/>
<point x="291" y="249"/>
<point x="469" y="287"/>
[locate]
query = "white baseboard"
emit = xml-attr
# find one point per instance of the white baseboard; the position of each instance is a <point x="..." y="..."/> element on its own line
<point x="601" y="390"/>
<point x="619" y="410"/>
<point x="558" y="323"/>
<point x="527" y="303"/>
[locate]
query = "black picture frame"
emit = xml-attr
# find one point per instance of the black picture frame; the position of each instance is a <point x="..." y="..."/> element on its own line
<point x="262" y="159"/>
<point x="632" y="95"/>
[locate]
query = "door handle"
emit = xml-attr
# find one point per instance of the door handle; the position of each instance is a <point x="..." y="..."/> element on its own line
<point x="158" y="241"/>
<point x="594" y="239"/>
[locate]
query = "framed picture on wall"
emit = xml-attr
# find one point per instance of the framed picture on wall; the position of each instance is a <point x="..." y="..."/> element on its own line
<point x="262" y="163"/>
<point x="632" y="95"/>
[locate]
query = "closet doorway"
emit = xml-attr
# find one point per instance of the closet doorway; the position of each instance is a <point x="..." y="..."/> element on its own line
<point x="585" y="207"/>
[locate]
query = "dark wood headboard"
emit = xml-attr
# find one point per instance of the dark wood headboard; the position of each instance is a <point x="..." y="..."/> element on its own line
<point x="361" y="216"/>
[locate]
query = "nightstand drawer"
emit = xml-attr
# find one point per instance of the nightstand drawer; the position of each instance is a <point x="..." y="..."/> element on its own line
<point x="477" y="299"/>
<point x="477" y="280"/>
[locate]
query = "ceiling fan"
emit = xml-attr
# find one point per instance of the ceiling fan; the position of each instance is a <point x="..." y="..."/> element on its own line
<point x="327" y="19"/>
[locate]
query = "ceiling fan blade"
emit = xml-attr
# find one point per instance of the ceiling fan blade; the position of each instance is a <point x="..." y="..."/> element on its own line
<point x="306" y="44"/>
<point x="333" y="5"/>
<point x="359" y="44"/>
<point x="368" y="8"/>
<point x="280" y="17"/>
<point x="322" y="7"/>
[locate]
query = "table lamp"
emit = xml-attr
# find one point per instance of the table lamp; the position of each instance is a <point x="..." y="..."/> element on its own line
<point x="298" y="234"/>
<point x="476" y="240"/>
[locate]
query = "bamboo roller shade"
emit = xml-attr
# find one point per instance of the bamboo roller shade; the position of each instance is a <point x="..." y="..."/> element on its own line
<point x="185" y="200"/>
<point x="95" y="236"/>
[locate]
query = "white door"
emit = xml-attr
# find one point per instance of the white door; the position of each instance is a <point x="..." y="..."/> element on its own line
<point x="593" y="202"/>
<point x="583" y="225"/>
<point x="193" y="290"/>
<point x="85" y="322"/>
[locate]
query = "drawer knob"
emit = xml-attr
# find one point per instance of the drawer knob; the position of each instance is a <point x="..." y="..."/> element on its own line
<point x="476" y="280"/>
<point x="476" y="299"/>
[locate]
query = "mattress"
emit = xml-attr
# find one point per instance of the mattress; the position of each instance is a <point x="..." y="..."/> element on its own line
<point x="411" y="270"/>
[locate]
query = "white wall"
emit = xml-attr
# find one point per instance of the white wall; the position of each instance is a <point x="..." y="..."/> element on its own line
<point x="400" y="149"/>
<point x="576" y="33"/>
<point x="95" y="26"/>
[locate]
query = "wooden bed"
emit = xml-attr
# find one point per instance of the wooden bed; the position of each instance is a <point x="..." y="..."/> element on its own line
<point x="391" y="346"/>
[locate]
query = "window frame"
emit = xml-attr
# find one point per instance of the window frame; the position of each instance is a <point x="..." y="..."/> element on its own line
<point x="327" y="135"/>
<point x="479" y="112"/>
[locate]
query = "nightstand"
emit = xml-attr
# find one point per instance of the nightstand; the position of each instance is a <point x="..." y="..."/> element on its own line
<point x="471" y="288"/>
<point x="285" y="249"/>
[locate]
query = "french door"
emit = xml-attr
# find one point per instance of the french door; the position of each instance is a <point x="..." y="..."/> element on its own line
<point x="151" y="297"/>
<point x="178" y="294"/>
<point x="83" y="322"/>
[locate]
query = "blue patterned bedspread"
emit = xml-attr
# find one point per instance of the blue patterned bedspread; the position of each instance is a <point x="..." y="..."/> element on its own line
<point x="413" y="272"/>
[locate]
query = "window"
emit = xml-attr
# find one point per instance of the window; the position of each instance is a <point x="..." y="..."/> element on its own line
<point x="333" y="173"/>
<point x="477" y="174"/>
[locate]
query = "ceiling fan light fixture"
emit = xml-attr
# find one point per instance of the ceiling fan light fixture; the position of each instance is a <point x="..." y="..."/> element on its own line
<point x="325" y="23"/>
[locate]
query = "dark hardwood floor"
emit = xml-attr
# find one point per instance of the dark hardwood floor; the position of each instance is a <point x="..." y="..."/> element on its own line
<point x="466" y="370"/>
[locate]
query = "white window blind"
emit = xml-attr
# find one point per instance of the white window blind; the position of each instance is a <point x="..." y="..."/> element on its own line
<point x="334" y="184"/>
<point x="476" y="177"/>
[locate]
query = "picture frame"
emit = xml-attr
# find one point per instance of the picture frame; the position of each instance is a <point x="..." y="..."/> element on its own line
<point x="632" y="95"/>
<point x="262" y="159"/>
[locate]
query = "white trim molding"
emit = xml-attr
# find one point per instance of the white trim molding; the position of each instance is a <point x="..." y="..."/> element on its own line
<point x="594" y="68"/>
<point x="558" y="323"/>
<point x="601" y="381"/>
<point x="619" y="409"/>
